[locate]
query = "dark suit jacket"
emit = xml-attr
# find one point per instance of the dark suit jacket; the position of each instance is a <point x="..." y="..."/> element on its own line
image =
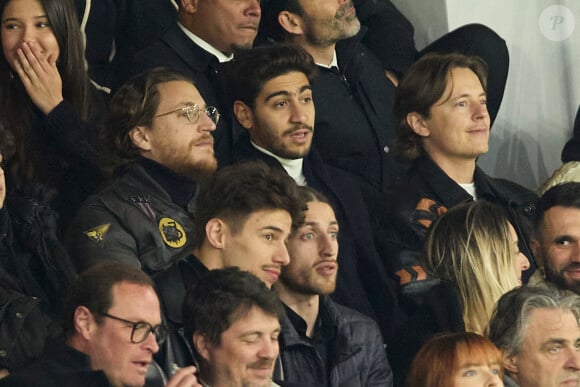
<point x="176" y="51"/>
<point x="363" y="283"/>
<point x="355" y="126"/>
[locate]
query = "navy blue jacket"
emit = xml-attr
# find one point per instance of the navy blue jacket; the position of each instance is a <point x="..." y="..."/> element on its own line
<point x="355" y="357"/>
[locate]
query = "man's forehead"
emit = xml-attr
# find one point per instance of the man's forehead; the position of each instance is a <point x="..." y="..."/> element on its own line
<point x="560" y="217"/>
<point x="278" y="218"/>
<point x="460" y="80"/>
<point x="546" y="325"/>
<point x="291" y="81"/>
<point x="135" y="298"/>
<point x="174" y="92"/>
<point x="244" y="322"/>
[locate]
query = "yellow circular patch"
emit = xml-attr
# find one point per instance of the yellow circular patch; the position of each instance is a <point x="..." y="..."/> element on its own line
<point x="172" y="233"/>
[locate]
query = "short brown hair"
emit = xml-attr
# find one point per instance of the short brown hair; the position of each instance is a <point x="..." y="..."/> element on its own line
<point x="421" y="87"/>
<point x="235" y="192"/>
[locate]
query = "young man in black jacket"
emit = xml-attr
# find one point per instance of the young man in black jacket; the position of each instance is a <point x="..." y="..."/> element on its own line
<point x="274" y="102"/>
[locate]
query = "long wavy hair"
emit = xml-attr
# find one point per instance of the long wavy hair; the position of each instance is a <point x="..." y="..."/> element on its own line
<point x="470" y="245"/>
<point x="17" y="108"/>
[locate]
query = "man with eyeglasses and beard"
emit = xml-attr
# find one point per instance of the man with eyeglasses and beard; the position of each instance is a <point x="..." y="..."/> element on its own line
<point x="160" y="137"/>
<point x="112" y="324"/>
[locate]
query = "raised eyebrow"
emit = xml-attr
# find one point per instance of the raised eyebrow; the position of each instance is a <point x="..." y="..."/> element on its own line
<point x="305" y="87"/>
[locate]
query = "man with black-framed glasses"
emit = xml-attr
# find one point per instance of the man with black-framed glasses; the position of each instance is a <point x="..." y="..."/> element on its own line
<point x="113" y="326"/>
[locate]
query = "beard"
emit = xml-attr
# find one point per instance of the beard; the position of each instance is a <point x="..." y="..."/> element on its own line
<point x="273" y="143"/>
<point x="303" y="283"/>
<point x="557" y="277"/>
<point x="328" y="32"/>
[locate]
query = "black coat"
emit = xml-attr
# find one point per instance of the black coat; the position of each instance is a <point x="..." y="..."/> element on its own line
<point x="355" y="126"/>
<point x="176" y="51"/>
<point x="61" y="366"/>
<point x="362" y="283"/>
<point x="35" y="272"/>
<point x="411" y="207"/>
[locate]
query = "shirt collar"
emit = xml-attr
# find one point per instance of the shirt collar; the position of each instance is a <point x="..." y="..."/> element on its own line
<point x="221" y="57"/>
<point x="333" y="63"/>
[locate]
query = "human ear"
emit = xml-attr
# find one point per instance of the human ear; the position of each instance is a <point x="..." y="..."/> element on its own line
<point x="510" y="363"/>
<point x="201" y="345"/>
<point x="291" y="22"/>
<point x="83" y="320"/>
<point x="189" y="6"/>
<point x="244" y="114"/>
<point x="537" y="252"/>
<point x="139" y="136"/>
<point x="418" y="124"/>
<point x="215" y="232"/>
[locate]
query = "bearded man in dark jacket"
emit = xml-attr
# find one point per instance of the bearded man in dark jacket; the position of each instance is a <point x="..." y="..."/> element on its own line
<point x="323" y="343"/>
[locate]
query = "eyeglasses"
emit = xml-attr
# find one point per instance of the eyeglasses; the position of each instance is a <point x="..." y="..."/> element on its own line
<point x="193" y="112"/>
<point x="140" y="330"/>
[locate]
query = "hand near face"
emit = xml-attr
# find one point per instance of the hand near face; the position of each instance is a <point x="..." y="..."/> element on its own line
<point x="39" y="75"/>
<point x="184" y="377"/>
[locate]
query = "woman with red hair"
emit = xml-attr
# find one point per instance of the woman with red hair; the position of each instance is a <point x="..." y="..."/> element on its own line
<point x="457" y="360"/>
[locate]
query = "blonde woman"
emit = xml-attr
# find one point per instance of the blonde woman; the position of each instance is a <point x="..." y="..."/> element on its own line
<point x="475" y="247"/>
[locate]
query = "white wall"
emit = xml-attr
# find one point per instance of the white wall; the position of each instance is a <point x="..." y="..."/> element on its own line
<point x="543" y="87"/>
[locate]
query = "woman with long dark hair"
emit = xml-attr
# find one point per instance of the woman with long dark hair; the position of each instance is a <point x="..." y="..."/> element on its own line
<point x="50" y="109"/>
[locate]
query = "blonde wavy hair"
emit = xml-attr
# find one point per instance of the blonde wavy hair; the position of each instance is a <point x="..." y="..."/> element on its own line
<point x="470" y="245"/>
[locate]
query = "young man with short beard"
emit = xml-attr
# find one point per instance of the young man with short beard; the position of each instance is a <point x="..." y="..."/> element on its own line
<point x="273" y="101"/>
<point x="323" y="343"/>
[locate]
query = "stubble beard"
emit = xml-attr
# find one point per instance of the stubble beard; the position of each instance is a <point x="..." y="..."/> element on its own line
<point x="557" y="278"/>
<point x="307" y="286"/>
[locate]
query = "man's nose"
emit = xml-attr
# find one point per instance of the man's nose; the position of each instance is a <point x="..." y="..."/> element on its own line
<point x="281" y="255"/>
<point x="298" y="114"/>
<point x="254" y="8"/>
<point x="151" y="343"/>
<point x="269" y="349"/>
<point x="480" y="110"/>
<point x="327" y="245"/>
<point x="573" y="361"/>
<point x="574" y="252"/>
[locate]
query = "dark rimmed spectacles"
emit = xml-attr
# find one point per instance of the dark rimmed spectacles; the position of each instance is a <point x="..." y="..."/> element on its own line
<point x="193" y="112"/>
<point x="140" y="330"/>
